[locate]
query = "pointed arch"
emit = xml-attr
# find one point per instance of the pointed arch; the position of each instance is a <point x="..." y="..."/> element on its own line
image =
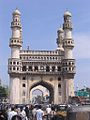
<point x="46" y="85"/>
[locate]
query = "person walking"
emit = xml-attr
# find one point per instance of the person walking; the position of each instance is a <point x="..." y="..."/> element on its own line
<point x="39" y="113"/>
<point x="48" y="112"/>
<point x="16" y="117"/>
<point x="12" y="113"/>
<point x="27" y="111"/>
<point x="23" y="114"/>
<point x="34" y="112"/>
<point x="30" y="112"/>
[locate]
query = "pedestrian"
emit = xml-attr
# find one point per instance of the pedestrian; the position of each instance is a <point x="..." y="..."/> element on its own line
<point x="39" y="113"/>
<point x="16" y="117"/>
<point x="27" y="111"/>
<point x="12" y="113"/>
<point x="3" y="115"/>
<point x="48" y="112"/>
<point x="34" y="112"/>
<point x="23" y="114"/>
<point x="30" y="112"/>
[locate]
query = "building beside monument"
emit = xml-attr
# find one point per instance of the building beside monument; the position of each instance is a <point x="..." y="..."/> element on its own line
<point x="53" y="69"/>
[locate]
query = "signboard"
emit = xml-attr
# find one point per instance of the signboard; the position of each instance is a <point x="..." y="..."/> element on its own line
<point x="82" y="93"/>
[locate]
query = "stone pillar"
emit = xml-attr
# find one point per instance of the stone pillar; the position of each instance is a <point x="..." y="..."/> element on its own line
<point x="56" y="68"/>
<point x="63" y="90"/>
<point x="14" y="90"/>
<point x="69" y="88"/>
<point x="30" y="96"/>
<point x="56" y="92"/>
<point x="50" y="68"/>
<point x="38" y="67"/>
<point x="27" y="90"/>
<point x="33" y="67"/>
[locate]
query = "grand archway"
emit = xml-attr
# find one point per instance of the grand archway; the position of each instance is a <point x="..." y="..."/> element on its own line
<point x="37" y="95"/>
<point x="46" y="85"/>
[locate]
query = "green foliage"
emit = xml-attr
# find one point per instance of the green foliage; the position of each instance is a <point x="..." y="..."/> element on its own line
<point x="3" y="92"/>
<point x="88" y="89"/>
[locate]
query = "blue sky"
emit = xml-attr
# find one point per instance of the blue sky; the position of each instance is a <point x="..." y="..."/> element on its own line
<point x="40" y="22"/>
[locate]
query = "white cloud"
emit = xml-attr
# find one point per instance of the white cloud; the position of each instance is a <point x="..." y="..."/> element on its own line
<point x="82" y="46"/>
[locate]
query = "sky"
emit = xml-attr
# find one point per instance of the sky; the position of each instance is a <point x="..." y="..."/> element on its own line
<point x="40" y="21"/>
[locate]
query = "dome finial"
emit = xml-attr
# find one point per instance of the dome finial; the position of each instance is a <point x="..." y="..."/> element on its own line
<point x="67" y="13"/>
<point x="60" y="29"/>
<point x="16" y="11"/>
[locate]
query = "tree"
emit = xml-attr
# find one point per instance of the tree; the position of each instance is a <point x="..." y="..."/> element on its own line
<point x="87" y="89"/>
<point x="3" y="93"/>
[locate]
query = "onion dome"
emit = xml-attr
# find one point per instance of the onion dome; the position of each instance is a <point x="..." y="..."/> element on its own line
<point x="60" y="30"/>
<point x="16" y="12"/>
<point x="67" y="13"/>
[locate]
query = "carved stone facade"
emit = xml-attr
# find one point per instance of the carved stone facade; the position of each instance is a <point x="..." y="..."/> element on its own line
<point x="53" y="69"/>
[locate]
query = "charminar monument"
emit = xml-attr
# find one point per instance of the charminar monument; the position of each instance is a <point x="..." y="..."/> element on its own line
<point x="52" y="69"/>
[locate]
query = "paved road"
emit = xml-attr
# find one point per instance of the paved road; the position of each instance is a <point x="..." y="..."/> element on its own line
<point x="83" y="108"/>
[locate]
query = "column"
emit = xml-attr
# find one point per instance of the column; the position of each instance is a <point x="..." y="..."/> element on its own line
<point x="56" y="92"/>
<point x="14" y="90"/>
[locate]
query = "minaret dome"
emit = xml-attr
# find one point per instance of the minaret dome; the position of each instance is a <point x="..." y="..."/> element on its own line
<point x="60" y="30"/>
<point x="60" y="33"/>
<point x="67" y="13"/>
<point x="16" y="12"/>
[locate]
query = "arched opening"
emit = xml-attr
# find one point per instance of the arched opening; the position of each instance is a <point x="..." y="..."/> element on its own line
<point x="46" y="85"/>
<point x="37" y="95"/>
<point x="47" y="69"/>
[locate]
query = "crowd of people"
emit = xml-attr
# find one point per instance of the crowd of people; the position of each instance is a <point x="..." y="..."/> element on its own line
<point x="27" y="112"/>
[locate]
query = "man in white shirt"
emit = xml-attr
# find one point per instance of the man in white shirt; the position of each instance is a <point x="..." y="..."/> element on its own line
<point x="48" y="111"/>
<point x="11" y="113"/>
<point x="39" y="113"/>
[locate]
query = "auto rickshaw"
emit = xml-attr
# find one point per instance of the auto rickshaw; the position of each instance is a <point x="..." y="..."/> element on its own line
<point x="61" y="112"/>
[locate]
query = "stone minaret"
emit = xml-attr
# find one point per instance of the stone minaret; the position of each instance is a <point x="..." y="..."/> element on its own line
<point x="68" y="61"/>
<point x="16" y="39"/>
<point x="14" y="61"/>
<point x="60" y="34"/>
